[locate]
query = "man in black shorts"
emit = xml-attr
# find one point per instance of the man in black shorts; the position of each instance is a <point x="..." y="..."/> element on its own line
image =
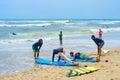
<point x="99" y="42"/>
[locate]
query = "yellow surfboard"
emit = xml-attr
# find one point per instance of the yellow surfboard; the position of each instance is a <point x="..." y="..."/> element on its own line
<point x="81" y="71"/>
<point x="84" y="69"/>
<point x="92" y="68"/>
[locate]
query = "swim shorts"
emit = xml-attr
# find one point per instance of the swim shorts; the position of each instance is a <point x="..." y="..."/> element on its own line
<point x="101" y="44"/>
<point x="35" y="50"/>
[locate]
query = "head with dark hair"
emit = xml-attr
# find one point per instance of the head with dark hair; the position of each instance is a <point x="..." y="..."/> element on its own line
<point x="40" y="40"/>
<point x="71" y="53"/>
<point x="92" y="37"/>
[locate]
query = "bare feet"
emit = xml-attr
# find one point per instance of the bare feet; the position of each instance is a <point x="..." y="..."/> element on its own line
<point x="75" y="63"/>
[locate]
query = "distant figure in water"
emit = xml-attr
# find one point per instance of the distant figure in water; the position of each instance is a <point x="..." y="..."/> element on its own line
<point x="60" y="37"/>
<point x="100" y="33"/>
<point x="13" y="33"/>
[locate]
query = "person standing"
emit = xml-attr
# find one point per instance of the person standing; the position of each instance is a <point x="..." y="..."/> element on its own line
<point x="36" y="48"/>
<point x="60" y="37"/>
<point x="100" y="33"/>
<point x="99" y="42"/>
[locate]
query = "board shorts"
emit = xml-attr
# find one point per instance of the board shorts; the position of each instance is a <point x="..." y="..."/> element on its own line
<point x="83" y="56"/>
<point x="100" y="44"/>
<point x="77" y="56"/>
<point x="35" y="50"/>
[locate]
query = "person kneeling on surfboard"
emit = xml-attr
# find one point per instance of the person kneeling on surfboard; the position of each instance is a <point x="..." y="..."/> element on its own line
<point x="36" y="48"/>
<point x="82" y="56"/>
<point x="61" y="53"/>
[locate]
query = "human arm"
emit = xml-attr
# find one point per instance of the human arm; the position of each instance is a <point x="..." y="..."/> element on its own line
<point x="40" y="45"/>
<point x="73" y="58"/>
<point x="59" y="58"/>
<point x="53" y="55"/>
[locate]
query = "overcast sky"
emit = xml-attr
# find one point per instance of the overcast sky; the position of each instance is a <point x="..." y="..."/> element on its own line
<point x="59" y="9"/>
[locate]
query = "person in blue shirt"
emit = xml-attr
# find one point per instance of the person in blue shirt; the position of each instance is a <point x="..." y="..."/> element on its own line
<point x="61" y="53"/>
<point x="99" y="42"/>
<point x="36" y="48"/>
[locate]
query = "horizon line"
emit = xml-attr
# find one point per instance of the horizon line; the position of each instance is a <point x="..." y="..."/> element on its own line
<point x="59" y="19"/>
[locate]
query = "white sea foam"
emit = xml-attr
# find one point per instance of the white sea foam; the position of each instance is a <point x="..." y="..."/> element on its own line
<point x="109" y="22"/>
<point x="23" y="25"/>
<point x="106" y="29"/>
<point x="61" y="21"/>
<point x="32" y="21"/>
<point x="23" y="41"/>
<point x="18" y="41"/>
<point x="28" y="23"/>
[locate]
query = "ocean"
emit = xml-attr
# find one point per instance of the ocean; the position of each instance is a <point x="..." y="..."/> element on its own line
<point x="17" y="37"/>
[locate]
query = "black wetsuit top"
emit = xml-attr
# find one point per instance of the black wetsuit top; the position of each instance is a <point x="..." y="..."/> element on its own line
<point x="98" y="41"/>
<point x="56" y="51"/>
<point x="77" y="56"/>
<point x="37" y="45"/>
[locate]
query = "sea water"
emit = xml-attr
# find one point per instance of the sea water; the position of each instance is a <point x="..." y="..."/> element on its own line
<point x="17" y="37"/>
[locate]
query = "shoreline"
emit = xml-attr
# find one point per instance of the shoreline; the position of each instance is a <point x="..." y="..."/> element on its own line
<point x="108" y="70"/>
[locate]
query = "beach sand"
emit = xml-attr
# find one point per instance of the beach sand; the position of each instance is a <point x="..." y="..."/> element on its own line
<point x="108" y="70"/>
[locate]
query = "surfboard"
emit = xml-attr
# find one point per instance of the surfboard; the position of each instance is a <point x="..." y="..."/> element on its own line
<point x="81" y="71"/>
<point x="82" y="60"/>
<point x="92" y="68"/>
<point x="56" y="63"/>
<point x="105" y="51"/>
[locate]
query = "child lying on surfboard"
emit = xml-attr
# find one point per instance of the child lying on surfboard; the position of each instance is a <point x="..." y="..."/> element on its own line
<point x="79" y="55"/>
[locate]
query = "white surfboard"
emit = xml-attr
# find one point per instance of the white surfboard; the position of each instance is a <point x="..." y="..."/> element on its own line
<point x="105" y="51"/>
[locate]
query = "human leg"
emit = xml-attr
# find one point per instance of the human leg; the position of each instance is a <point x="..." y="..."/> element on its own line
<point x="98" y="53"/>
<point x="59" y="57"/>
<point x="94" y="56"/>
<point x="65" y="58"/>
<point x="35" y="52"/>
<point x="100" y="47"/>
<point x="38" y="55"/>
<point x="34" y="55"/>
<point x="60" y="42"/>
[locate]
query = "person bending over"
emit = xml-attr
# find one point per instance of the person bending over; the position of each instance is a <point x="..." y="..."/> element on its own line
<point x="36" y="48"/>
<point x="61" y="53"/>
<point x="99" y="42"/>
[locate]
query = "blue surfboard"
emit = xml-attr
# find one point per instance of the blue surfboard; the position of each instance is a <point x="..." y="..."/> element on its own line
<point x="82" y="60"/>
<point x="56" y="63"/>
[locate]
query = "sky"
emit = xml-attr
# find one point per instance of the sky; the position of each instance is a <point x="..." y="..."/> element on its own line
<point x="59" y="9"/>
